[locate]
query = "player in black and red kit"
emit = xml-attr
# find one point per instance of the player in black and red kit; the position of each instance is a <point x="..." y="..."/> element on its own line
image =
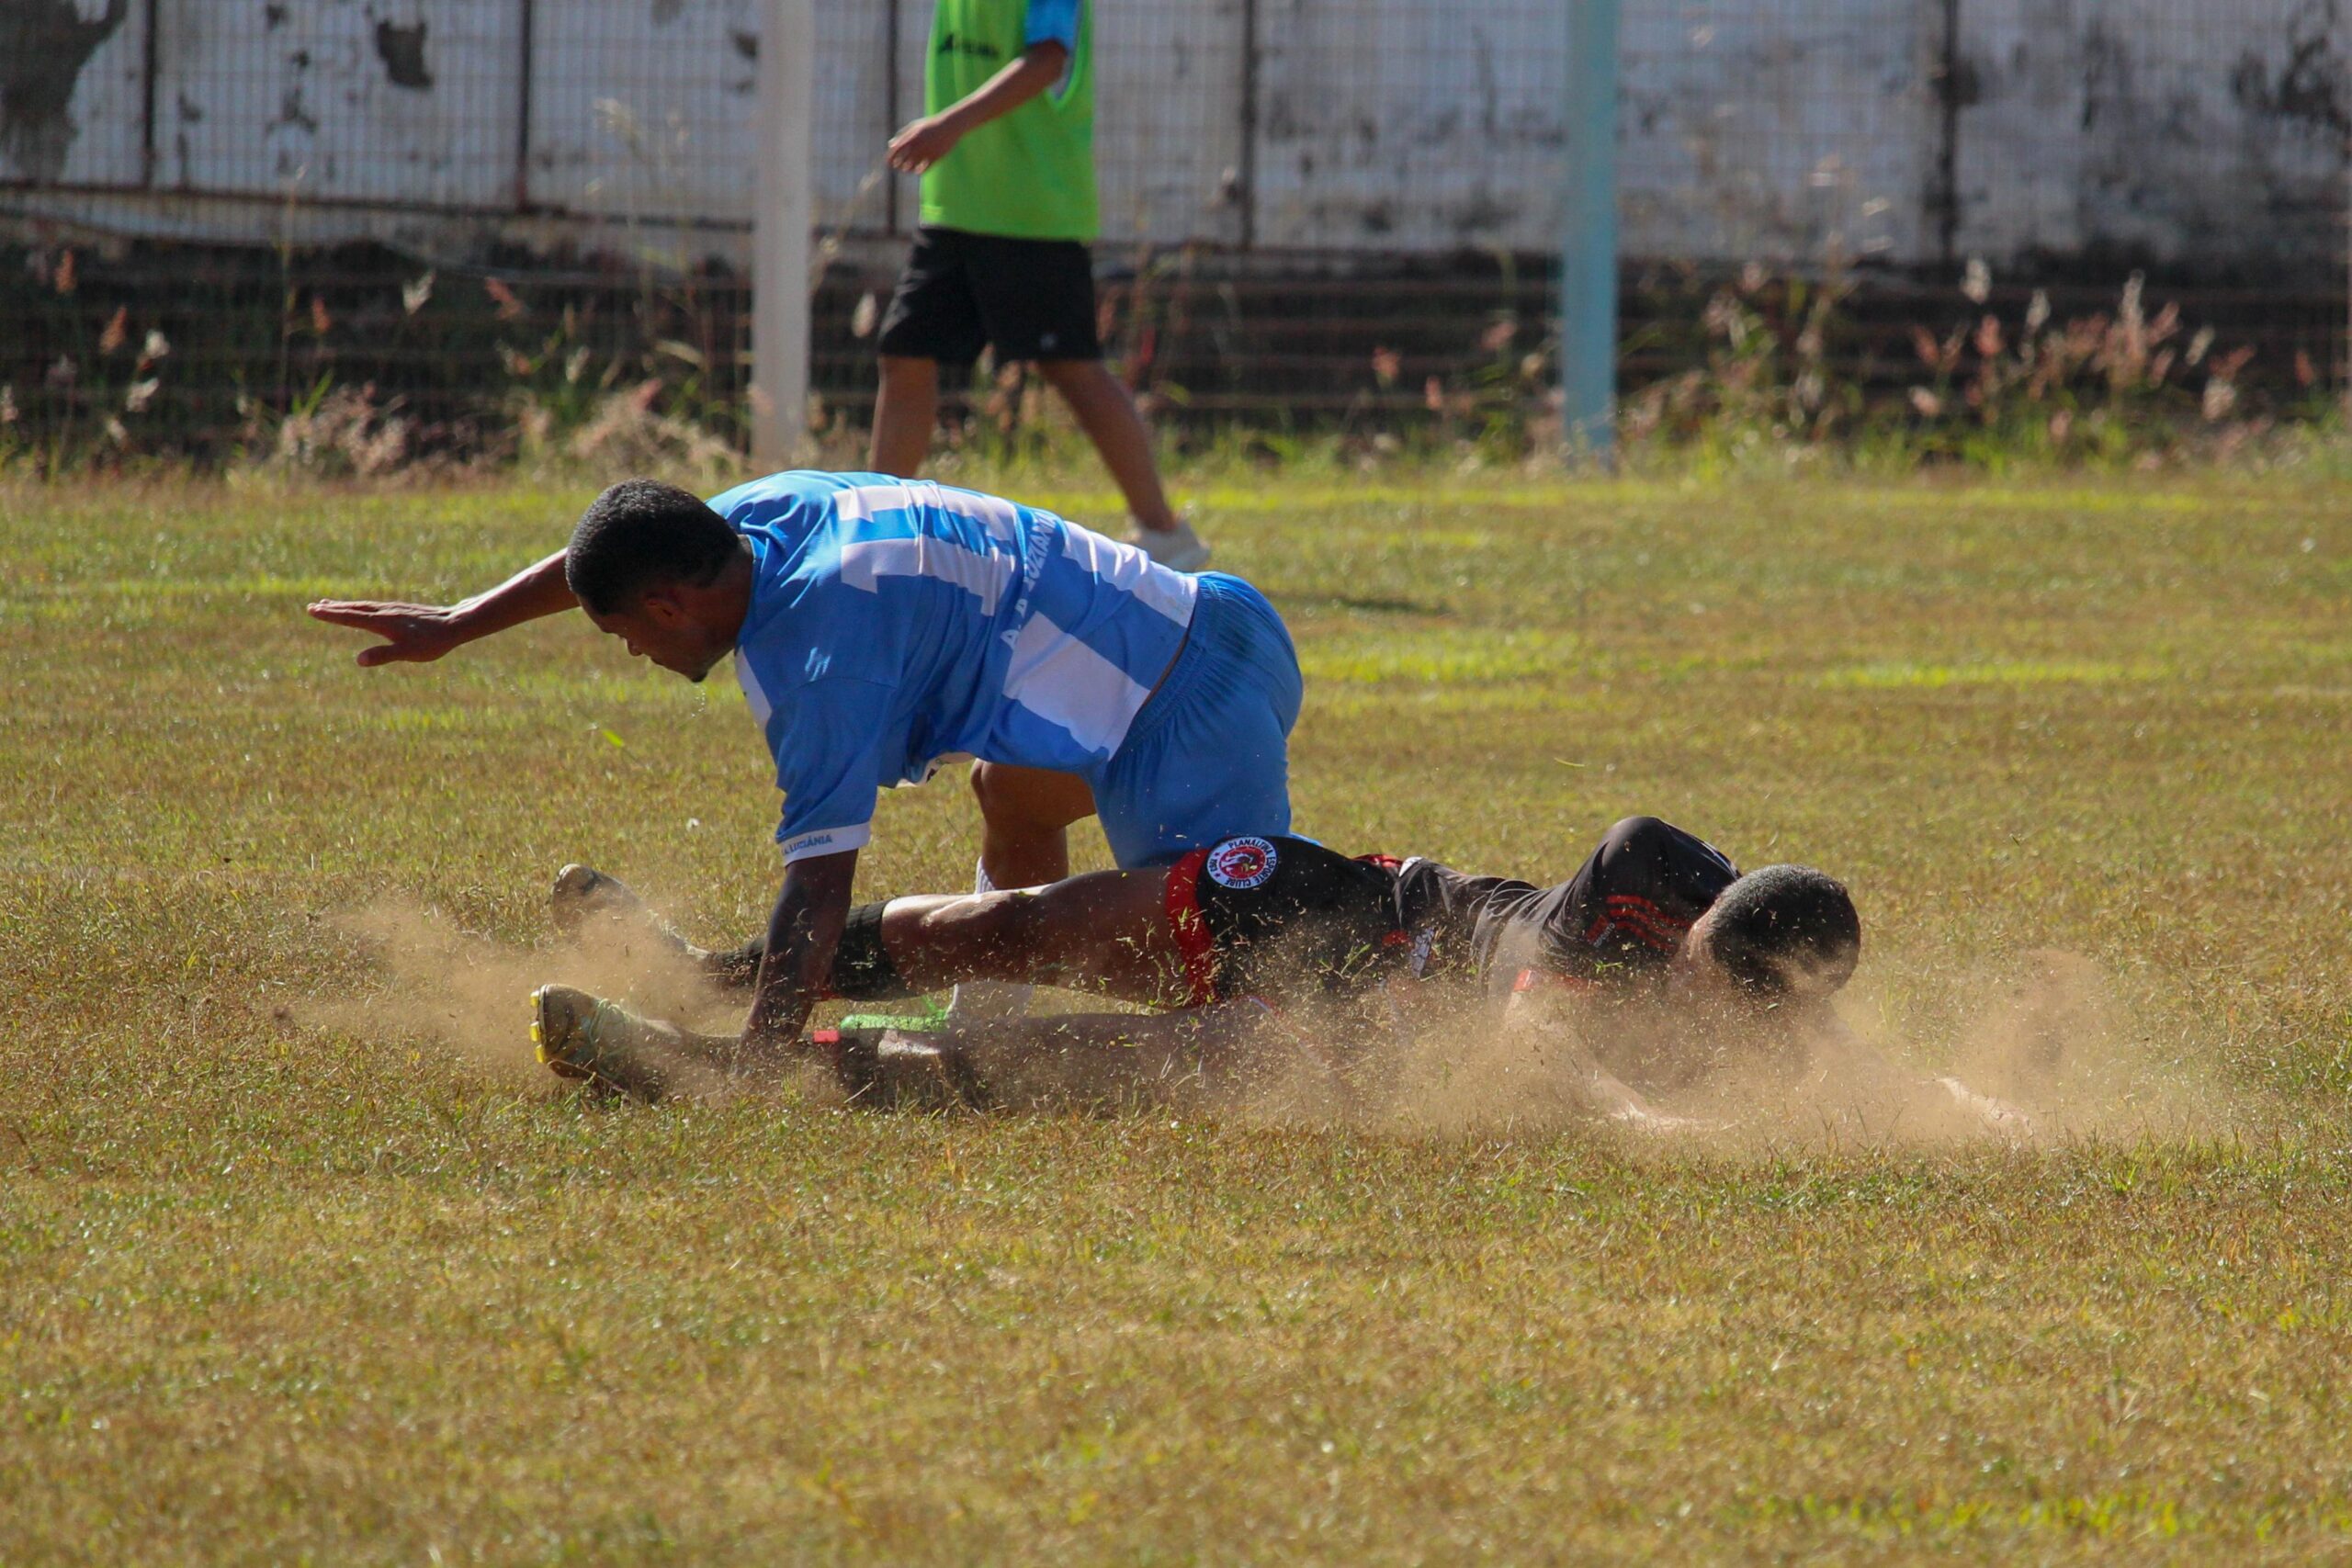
<point x="1296" y="912"/>
<point x="1279" y="919"/>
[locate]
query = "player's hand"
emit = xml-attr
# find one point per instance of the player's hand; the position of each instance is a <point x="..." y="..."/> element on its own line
<point x="922" y="143"/>
<point x="412" y="633"/>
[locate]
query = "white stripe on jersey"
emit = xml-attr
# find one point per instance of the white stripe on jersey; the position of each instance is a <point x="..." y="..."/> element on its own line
<point x="1064" y="681"/>
<point x="863" y="504"/>
<point x="1130" y="570"/>
<point x="863" y="561"/>
<point x="760" y="707"/>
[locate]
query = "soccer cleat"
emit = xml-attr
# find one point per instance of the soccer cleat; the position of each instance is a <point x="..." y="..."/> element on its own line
<point x="582" y="894"/>
<point x="1178" y="548"/>
<point x="581" y="1037"/>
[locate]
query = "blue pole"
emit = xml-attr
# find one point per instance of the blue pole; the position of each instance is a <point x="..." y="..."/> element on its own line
<point x="1588" y="243"/>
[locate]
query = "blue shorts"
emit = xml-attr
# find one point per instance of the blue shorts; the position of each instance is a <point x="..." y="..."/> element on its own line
<point x="1208" y="756"/>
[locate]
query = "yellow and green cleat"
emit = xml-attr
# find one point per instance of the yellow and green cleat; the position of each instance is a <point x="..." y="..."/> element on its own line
<point x="595" y="1042"/>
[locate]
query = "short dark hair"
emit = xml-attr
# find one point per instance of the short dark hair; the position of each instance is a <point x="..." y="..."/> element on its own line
<point x="640" y="535"/>
<point x="1786" y="928"/>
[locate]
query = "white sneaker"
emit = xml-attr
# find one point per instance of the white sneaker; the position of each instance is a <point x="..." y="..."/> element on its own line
<point x="1178" y="548"/>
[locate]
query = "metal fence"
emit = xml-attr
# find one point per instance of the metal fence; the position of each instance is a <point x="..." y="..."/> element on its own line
<point x="1316" y="211"/>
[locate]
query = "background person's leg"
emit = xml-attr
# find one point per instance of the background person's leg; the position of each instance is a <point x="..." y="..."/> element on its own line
<point x="1107" y="415"/>
<point x="1035" y="299"/>
<point x="934" y="317"/>
<point x="906" y="409"/>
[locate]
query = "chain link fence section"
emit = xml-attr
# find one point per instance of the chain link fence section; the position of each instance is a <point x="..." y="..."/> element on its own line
<point x="1314" y="210"/>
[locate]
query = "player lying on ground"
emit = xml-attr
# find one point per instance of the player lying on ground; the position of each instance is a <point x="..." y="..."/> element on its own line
<point x="879" y="625"/>
<point x="1654" y="914"/>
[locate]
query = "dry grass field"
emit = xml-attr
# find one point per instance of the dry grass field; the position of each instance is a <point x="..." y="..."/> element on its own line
<point x="299" y="1263"/>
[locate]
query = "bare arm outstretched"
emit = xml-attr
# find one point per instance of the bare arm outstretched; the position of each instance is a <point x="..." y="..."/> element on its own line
<point x="416" y="632"/>
<point x="1864" y="1069"/>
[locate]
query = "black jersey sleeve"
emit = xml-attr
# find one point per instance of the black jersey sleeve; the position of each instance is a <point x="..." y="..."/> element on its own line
<point x="1623" y="912"/>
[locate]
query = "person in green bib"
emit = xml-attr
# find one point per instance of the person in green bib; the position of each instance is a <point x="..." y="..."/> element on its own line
<point x="1006" y="152"/>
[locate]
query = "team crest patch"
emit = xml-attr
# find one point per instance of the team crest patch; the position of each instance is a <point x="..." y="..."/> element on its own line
<point x="1242" y="862"/>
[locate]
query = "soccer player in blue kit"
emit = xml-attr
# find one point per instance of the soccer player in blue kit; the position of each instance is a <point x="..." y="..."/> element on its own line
<point x="880" y="625"/>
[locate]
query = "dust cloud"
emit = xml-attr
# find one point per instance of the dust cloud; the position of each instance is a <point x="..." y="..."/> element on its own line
<point x="471" y="996"/>
<point x="2040" y="1054"/>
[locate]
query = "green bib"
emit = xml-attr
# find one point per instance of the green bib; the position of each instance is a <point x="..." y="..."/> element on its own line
<point x="1028" y="175"/>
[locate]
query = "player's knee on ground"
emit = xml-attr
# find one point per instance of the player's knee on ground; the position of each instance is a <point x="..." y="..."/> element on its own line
<point x="1280" y="916"/>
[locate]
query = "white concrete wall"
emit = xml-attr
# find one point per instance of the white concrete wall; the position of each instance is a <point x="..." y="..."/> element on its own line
<point x="2219" y="134"/>
<point x="317" y="99"/>
<point x="1781" y="131"/>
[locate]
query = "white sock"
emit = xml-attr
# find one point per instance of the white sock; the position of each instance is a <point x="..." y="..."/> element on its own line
<point x="987" y="1001"/>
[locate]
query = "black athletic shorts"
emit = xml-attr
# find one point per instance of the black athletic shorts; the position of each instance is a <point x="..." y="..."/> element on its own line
<point x="1031" y="299"/>
<point x="1282" y="919"/>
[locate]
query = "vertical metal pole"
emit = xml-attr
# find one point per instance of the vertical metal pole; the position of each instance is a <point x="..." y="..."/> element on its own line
<point x="1248" y="162"/>
<point x="1588" y="245"/>
<point x="891" y="112"/>
<point x="149" y="70"/>
<point x="527" y="47"/>
<point x="781" y="226"/>
<point x="1944" y="194"/>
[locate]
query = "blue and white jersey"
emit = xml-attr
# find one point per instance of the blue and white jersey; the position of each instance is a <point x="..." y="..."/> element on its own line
<point x="894" y="622"/>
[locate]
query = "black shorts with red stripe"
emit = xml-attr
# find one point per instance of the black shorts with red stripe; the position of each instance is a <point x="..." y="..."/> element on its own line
<point x="1282" y="919"/>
